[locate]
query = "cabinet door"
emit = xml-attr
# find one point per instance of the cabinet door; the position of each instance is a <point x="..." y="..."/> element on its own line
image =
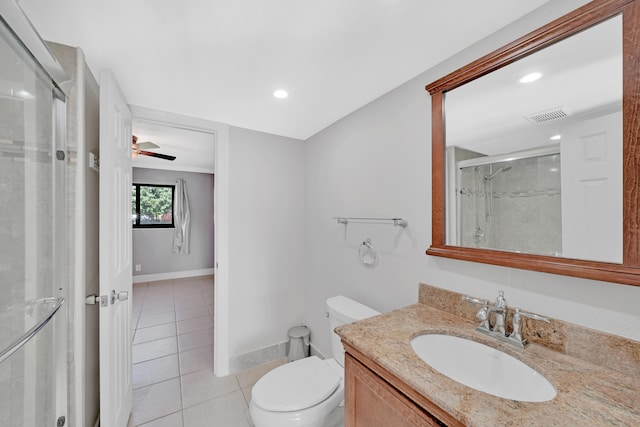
<point x="372" y="402"/>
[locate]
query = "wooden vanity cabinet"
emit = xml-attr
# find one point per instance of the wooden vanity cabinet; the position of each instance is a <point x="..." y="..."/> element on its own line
<point x="376" y="398"/>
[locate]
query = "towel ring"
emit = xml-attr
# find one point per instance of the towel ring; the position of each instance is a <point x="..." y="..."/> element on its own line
<point x="367" y="255"/>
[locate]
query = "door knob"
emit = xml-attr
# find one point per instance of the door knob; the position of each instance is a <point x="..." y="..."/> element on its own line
<point x="120" y="296"/>
<point x="95" y="299"/>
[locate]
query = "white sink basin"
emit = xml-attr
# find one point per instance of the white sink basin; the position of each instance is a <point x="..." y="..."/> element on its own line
<point x="483" y="368"/>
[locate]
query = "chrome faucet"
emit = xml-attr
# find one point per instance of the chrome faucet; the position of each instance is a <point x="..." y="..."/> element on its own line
<point x="500" y="309"/>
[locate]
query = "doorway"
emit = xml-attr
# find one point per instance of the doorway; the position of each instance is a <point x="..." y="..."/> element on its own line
<point x="146" y="119"/>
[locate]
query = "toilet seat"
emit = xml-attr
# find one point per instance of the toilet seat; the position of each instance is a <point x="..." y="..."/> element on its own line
<point x="296" y="386"/>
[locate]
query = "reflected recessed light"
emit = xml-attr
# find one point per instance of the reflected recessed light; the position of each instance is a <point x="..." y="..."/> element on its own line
<point x="530" y="78"/>
<point x="556" y="137"/>
<point x="280" y="94"/>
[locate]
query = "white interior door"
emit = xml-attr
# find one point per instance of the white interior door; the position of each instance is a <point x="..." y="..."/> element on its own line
<point x="115" y="255"/>
<point x="592" y="189"/>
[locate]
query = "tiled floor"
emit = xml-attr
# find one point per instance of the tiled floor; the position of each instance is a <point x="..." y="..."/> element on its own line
<point x="173" y="381"/>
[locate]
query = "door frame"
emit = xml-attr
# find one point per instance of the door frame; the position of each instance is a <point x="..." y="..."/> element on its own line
<point x="221" y="221"/>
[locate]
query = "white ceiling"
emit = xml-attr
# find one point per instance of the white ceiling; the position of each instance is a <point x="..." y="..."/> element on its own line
<point x="582" y="74"/>
<point x="221" y="60"/>
<point x="194" y="150"/>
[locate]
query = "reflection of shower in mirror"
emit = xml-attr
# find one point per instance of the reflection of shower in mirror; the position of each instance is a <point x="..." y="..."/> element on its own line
<point x="497" y="171"/>
<point x="500" y="198"/>
<point x="487" y="194"/>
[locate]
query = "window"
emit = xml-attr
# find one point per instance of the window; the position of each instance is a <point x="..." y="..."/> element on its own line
<point x="152" y="206"/>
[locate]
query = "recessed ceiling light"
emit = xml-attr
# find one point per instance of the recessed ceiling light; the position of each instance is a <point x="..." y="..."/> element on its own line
<point x="530" y="78"/>
<point x="280" y="94"/>
<point x="556" y="137"/>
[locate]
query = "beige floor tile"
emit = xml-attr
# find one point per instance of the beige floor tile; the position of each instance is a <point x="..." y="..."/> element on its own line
<point x="200" y="386"/>
<point x="153" y="319"/>
<point x="248" y="415"/>
<point x="184" y="290"/>
<point x="227" y="411"/>
<point x="136" y="310"/>
<point x="250" y="376"/>
<point x="246" y="392"/>
<point x="155" y="332"/>
<point x="195" y="324"/>
<point x="196" y="301"/>
<point x="196" y="360"/>
<point x="155" y="371"/>
<point x="191" y="313"/>
<point x="154" y="349"/>
<point x="207" y="290"/>
<point x="156" y="401"/>
<point x="157" y="307"/>
<point x="138" y="290"/>
<point x="159" y="284"/>
<point x="173" y="420"/>
<point x="195" y="339"/>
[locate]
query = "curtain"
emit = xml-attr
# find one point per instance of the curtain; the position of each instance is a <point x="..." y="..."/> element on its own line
<point x="181" y="219"/>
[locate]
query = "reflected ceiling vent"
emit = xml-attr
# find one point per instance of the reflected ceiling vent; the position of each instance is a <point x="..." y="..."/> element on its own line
<point x="549" y="115"/>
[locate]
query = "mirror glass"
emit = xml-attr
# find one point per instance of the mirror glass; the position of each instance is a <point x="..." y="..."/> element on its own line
<point x="536" y="167"/>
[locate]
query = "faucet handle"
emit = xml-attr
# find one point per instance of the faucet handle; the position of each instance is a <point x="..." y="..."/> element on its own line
<point x="516" y="334"/>
<point x="482" y="314"/>
<point x="532" y="316"/>
<point x="474" y="300"/>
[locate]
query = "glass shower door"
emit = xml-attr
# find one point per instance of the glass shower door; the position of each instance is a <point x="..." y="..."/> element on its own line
<point x="31" y="197"/>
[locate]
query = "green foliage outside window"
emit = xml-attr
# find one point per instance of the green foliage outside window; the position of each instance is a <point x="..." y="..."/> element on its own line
<point x="152" y="205"/>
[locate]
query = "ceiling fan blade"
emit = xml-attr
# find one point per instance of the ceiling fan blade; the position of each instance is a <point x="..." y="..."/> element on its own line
<point x="158" y="155"/>
<point x="147" y="145"/>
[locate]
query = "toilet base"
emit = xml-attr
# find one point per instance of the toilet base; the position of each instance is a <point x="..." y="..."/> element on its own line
<point x="296" y="419"/>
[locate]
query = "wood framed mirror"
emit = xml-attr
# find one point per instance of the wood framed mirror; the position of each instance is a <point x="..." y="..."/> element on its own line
<point x="607" y="247"/>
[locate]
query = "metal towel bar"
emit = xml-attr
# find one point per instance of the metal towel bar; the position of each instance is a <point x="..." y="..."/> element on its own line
<point x="397" y="222"/>
<point x="24" y="338"/>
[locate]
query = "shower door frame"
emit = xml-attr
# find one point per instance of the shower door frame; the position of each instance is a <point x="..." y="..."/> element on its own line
<point x="24" y="33"/>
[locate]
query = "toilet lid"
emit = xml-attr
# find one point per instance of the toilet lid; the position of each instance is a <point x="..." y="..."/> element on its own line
<point x="295" y="386"/>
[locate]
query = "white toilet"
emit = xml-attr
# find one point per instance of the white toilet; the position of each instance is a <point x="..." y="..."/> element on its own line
<point x="308" y="392"/>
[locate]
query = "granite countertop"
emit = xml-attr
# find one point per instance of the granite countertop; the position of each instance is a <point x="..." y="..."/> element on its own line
<point x="588" y="394"/>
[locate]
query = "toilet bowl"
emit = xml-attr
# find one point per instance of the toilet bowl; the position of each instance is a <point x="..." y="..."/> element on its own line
<point x="308" y="392"/>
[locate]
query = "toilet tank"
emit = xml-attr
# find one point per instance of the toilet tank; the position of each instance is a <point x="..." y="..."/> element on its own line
<point x="343" y="310"/>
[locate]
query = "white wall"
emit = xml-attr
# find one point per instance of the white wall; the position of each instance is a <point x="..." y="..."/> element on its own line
<point x="376" y="162"/>
<point x="266" y="239"/>
<point x="152" y="247"/>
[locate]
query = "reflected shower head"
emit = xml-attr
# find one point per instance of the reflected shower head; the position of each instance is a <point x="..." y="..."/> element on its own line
<point x="496" y="172"/>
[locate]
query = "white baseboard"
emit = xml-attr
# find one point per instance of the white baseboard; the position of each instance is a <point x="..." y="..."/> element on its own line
<point x="173" y="275"/>
<point x="257" y="357"/>
<point x="315" y="352"/>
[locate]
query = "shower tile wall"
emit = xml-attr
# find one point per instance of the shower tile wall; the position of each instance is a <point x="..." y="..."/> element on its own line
<point x="527" y="207"/>
<point x="524" y="204"/>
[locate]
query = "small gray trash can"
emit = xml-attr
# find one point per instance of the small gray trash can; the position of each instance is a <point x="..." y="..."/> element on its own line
<point x="298" y="345"/>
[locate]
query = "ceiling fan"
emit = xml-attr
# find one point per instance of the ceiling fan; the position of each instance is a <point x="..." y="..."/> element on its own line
<point x="140" y="149"/>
